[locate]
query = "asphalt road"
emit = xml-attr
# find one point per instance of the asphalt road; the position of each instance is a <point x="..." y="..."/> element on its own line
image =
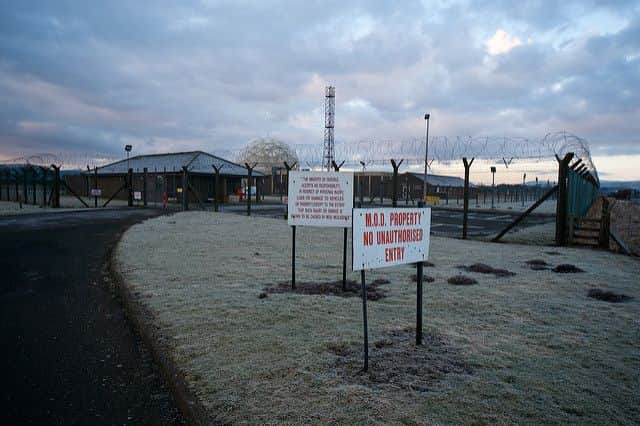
<point x="69" y="356"/>
<point x="444" y="222"/>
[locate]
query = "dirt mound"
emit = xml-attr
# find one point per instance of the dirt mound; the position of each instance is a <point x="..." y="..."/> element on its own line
<point x="567" y="268"/>
<point x="538" y="264"/>
<point x="461" y="280"/>
<point x="331" y="288"/>
<point x="608" y="296"/>
<point x="396" y="362"/>
<point x="482" y="268"/>
<point x="425" y="278"/>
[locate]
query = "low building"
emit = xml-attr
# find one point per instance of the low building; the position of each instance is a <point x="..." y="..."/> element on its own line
<point x="163" y="176"/>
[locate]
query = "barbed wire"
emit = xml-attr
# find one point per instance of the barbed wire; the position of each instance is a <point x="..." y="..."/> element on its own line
<point x="443" y="150"/>
<point x="68" y="160"/>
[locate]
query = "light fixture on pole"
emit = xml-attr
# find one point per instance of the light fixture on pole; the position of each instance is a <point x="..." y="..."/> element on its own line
<point x="493" y="186"/>
<point x="128" y="149"/>
<point x="426" y="157"/>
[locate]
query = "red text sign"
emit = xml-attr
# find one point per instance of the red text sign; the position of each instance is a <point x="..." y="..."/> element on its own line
<point x="387" y="237"/>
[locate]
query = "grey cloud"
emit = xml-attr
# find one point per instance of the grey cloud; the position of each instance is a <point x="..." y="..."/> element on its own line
<point x="191" y="73"/>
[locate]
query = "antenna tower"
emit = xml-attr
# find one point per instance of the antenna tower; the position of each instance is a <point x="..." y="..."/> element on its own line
<point x="329" y="113"/>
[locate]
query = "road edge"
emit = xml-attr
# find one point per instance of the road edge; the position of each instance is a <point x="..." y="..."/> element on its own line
<point x="140" y="318"/>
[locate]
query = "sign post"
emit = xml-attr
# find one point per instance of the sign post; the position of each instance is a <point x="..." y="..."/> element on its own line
<point x="364" y="320"/>
<point x="336" y="167"/>
<point x="385" y="237"/>
<point x="319" y="199"/>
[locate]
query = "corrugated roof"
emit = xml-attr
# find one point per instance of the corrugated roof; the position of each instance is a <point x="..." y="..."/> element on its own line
<point x="195" y="161"/>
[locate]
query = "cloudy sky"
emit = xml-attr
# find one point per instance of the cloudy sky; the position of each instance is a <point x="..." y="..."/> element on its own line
<point x="87" y="77"/>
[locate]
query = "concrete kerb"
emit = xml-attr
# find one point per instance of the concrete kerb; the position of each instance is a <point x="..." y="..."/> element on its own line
<point x="142" y="320"/>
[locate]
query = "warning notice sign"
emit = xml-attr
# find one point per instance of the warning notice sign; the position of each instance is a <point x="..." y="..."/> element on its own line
<point x="320" y="199"/>
<point x="387" y="237"/>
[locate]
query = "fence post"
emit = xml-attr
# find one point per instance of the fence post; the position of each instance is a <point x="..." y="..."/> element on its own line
<point x="130" y="187"/>
<point x="259" y="183"/>
<point x="249" y="173"/>
<point x="217" y="186"/>
<point x="185" y="188"/>
<point x="144" y="186"/>
<point x="394" y="194"/>
<point x="15" y="181"/>
<point x="56" y="187"/>
<point x="465" y="215"/>
<point x="33" y="185"/>
<point x="44" y="185"/>
<point x="95" y="186"/>
<point x="25" y="199"/>
<point x="561" y="205"/>
<point x="4" y="183"/>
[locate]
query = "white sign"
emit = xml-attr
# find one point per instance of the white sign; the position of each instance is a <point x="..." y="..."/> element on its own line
<point x="96" y="192"/>
<point x="137" y="195"/>
<point x="390" y="236"/>
<point x="320" y="199"/>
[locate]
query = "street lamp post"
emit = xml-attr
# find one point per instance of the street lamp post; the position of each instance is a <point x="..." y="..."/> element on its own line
<point x="493" y="186"/>
<point x="426" y="157"/>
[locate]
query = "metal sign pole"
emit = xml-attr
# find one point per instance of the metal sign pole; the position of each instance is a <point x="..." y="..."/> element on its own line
<point x="344" y="261"/>
<point x="419" y="273"/>
<point x="364" y="320"/>
<point x="293" y="257"/>
<point x="289" y="168"/>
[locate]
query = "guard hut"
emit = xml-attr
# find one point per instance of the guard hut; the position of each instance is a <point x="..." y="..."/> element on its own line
<point x="159" y="177"/>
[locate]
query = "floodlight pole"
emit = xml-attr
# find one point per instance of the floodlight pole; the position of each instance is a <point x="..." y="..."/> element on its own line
<point x="426" y="158"/>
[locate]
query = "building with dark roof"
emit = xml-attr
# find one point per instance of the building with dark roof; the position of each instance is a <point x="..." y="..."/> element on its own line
<point x="163" y="176"/>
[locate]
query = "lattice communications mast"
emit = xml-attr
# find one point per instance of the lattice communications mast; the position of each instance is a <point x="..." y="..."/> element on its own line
<point x="329" y="113"/>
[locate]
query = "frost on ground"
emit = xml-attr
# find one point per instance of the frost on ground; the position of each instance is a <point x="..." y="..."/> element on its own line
<point x="540" y="235"/>
<point x="532" y="348"/>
